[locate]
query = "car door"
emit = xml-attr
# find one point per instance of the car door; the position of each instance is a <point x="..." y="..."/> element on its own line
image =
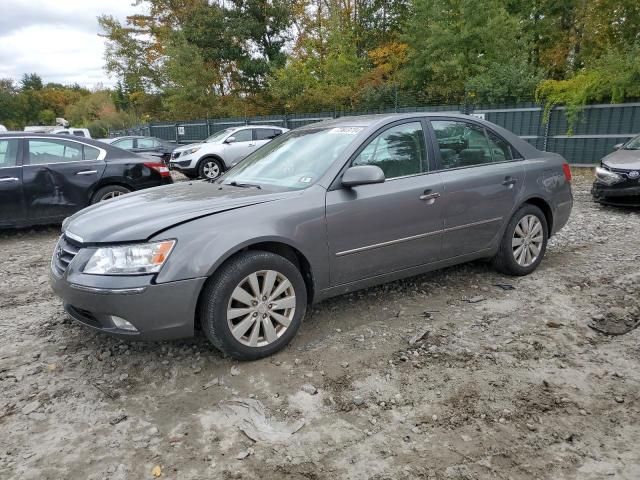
<point x="59" y="176"/>
<point x="382" y="228"/>
<point x="241" y="147"/>
<point x="12" y="209"/>
<point x="483" y="177"/>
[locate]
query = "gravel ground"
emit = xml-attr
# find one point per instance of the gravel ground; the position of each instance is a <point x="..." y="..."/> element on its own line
<point x="446" y="375"/>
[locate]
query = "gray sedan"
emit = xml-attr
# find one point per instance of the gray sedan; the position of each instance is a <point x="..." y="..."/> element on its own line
<point x="318" y="212"/>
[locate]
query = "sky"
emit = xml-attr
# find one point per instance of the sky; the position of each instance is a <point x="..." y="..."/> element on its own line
<point x="57" y="39"/>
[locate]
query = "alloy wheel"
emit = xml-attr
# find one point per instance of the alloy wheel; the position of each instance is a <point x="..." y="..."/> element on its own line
<point x="527" y="240"/>
<point x="211" y="169"/>
<point x="261" y="308"/>
<point x="110" y="195"/>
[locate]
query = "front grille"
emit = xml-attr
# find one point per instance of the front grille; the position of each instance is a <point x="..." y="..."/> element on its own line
<point x="175" y="155"/>
<point x="63" y="254"/>
<point x="630" y="180"/>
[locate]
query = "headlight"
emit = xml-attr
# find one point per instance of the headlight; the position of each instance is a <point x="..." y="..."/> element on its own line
<point x="190" y="151"/>
<point x="136" y="259"/>
<point x="608" y="177"/>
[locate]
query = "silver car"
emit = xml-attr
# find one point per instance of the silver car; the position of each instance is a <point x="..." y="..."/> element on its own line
<point x="222" y="150"/>
<point x="320" y="211"/>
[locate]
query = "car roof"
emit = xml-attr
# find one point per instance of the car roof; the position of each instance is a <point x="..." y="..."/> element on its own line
<point x="48" y="135"/>
<point x="381" y="118"/>
<point x="240" y="127"/>
<point x="113" y="152"/>
<point x="371" y="123"/>
<point x="137" y="136"/>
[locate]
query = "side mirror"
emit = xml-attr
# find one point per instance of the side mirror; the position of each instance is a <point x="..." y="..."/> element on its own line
<point x="362" y="175"/>
<point x="230" y="140"/>
<point x="618" y="146"/>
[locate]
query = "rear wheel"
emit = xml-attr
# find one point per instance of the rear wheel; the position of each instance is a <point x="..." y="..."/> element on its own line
<point x="109" y="192"/>
<point x="253" y="306"/>
<point x="210" y="168"/>
<point x="524" y="242"/>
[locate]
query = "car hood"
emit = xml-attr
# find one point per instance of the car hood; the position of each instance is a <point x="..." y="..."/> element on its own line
<point x="623" y="160"/>
<point x="182" y="148"/>
<point x="138" y="216"/>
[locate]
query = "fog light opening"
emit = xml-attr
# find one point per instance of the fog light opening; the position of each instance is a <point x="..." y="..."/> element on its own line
<point x="122" y="324"/>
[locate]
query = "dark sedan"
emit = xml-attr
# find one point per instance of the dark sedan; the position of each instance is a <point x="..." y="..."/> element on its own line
<point x="146" y="145"/>
<point x="618" y="177"/>
<point x="45" y="178"/>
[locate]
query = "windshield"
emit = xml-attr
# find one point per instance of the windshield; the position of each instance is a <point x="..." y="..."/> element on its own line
<point x="294" y="160"/>
<point x="633" y="144"/>
<point x="218" y="137"/>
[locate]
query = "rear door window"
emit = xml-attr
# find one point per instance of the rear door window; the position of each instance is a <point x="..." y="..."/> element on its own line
<point x="146" y="143"/>
<point x="91" y="153"/>
<point x="9" y="152"/>
<point x="53" y="151"/>
<point x="501" y="149"/>
<point x="461" y="144"/>
<point x="266" y="133"/>
<point x="126" y="143"/>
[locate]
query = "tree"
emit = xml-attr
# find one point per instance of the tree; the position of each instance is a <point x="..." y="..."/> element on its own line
<point x="9" y="104"/>
<point x="613" y="77"/>
<point x="31" y="81"/>
<point x="458" y="49"/>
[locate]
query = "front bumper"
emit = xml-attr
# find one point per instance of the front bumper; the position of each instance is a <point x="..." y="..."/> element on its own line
<point x="157" y="311"/>
<point x="183" y="163"/>
<point x="623" y="194"/>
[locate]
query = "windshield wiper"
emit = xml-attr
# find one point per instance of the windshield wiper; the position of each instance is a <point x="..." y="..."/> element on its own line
<point x="244" y="185"/>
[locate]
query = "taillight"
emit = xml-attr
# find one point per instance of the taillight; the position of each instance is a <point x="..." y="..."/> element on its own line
<point x="567" y="172"/>
<point x="159" y="167"/>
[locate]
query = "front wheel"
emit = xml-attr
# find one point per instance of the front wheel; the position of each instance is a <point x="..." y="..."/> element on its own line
<point x="253" y="306"/>
<point x="524" y="242"/>
<point x="210" y="168"/>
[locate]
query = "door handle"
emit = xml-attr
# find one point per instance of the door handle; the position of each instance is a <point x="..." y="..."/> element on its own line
<point x="87" y="172"/>
<point x="9" y="179"/>
<point x="509" y="182"/>
<point x="429" y="196"/>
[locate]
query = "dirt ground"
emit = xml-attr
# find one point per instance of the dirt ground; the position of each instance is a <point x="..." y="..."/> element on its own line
<point x="507" y="382"/>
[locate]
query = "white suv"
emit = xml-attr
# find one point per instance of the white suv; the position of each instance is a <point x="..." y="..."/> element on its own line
<point x="222" y="150"/>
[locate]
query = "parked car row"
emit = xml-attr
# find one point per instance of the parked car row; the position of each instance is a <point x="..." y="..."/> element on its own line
<point x="319" y="211"/>
<point x="312" y="213"/>
<point x="146" y="145"/>
<point x="45" y="178"/>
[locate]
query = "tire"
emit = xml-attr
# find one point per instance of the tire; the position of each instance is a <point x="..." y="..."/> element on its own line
<point x="109" y="192"/>
<point x="217" y="301"/>
<point x="210" y="168"/>
<point x="509" y="259"/>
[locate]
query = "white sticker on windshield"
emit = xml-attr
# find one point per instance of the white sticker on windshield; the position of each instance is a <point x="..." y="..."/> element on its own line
<point x="346" y="130"/>
<point x="305" y="180"/>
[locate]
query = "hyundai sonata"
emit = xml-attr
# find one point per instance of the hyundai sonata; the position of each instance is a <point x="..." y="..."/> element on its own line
<point x="319" y="211"/>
